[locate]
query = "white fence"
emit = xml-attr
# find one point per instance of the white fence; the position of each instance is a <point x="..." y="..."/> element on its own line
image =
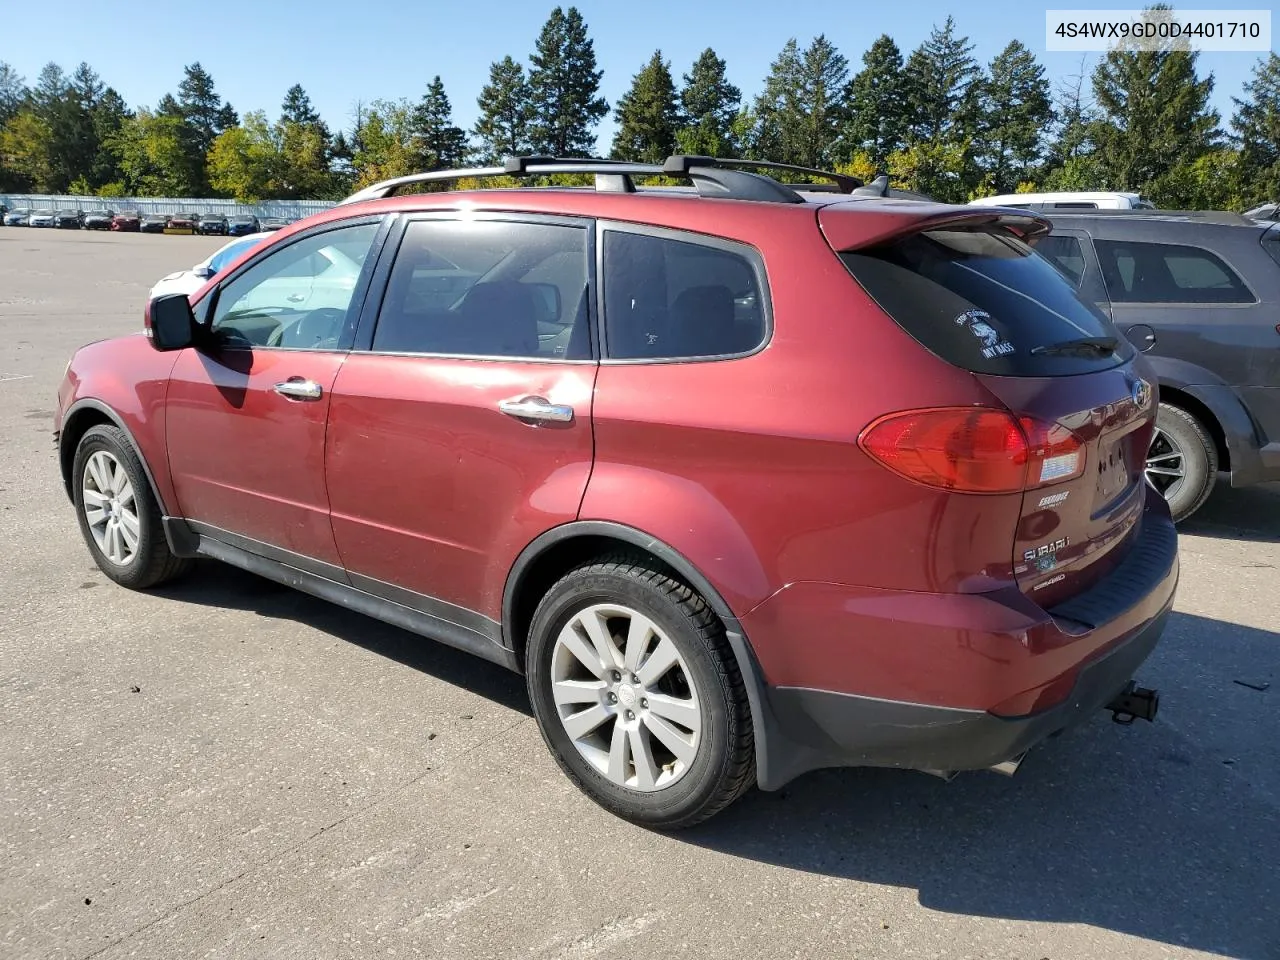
<point x="288" y="209"/>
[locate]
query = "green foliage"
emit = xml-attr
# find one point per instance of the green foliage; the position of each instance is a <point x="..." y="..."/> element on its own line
<point x="943" y="85"/>
<point x="1256" y="123"/>
<point x="113" y="190"/>
<point x="1154" y="117"/>
<point x="936" y="169"/>
<point x="648" y="117"/>
<point x="506" y="111"/>
<point x="709" y="103"/>
<point x="877" y="105"/>
<point x="13" y="92"/>
<point x="564" y="88"/>
<point x="155" y="157"/>
<point x="440" y="145"/>
<point x="25" y="142"/>
<point x="297" y="107"/>
<point x="1015" y="113"/>
<point x="384" y="143"/>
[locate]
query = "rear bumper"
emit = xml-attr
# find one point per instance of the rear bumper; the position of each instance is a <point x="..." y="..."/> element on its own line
<point x="950" y="682"/>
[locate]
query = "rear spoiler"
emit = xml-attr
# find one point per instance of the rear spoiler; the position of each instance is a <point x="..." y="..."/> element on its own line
<point x="854" y="225"/>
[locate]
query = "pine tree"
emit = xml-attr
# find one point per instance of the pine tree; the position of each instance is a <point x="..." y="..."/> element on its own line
<point x="710" y="105"/>
<point x="1256" y="123"/>
<point x="441" y="144"/>
<point x="877" y="104"/>
<point x="505" y="112"/>
<point x="109" y="116"/>
<point x="297" y="108"/>
<point x="943" y="86"/>
<point x="202" y="108"/>
<point x="1015" y="114"/>
<point x="1155" y="116"/>
<point x="564" y="85"/>
<point x="824" y="75"/>
<point x="648" y="117"/>
<point x="13" y="92"/>
<point x="774" y="134"/>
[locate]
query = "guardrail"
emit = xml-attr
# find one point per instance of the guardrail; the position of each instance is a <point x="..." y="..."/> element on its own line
<point x="288" y="209"/>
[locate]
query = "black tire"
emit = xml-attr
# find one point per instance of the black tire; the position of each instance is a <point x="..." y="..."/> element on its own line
<point x="723" y="767"/>
<point x="152" y="563"/>
<point x="1199" y="460"/>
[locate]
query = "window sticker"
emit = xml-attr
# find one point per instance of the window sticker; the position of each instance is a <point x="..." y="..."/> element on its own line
<point x="993" y="345"/>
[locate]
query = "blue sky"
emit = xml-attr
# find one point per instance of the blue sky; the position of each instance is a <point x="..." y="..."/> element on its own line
<point x="342" y="52"/>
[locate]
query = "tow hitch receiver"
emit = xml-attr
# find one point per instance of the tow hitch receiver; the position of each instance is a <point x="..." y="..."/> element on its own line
<point x="1134" y="703"/>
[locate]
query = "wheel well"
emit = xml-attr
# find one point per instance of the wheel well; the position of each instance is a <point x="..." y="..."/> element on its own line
<point x="77" y="425"/>
<point x="1184" y="401"/>
<point x="553" y="563"/>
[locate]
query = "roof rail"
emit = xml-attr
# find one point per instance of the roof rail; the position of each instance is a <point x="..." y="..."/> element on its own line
<point x="712" y="176"/>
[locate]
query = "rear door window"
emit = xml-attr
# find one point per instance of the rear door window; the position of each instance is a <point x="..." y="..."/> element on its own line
<point x="982" y="300"/>
<point x="1168" y="273"/>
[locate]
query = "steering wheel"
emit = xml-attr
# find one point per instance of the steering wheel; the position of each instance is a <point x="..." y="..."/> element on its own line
<point x="316" y="328"/>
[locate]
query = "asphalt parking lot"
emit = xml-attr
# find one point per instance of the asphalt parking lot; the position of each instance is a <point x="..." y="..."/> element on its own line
<point x="226" y="768"/>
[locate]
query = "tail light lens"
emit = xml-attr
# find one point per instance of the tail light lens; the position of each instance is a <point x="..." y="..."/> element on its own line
<point x="974" y="449"/>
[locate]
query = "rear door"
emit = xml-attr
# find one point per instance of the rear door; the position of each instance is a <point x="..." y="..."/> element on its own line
<point x="977" y="297"/>
<point x="460" y="427"/>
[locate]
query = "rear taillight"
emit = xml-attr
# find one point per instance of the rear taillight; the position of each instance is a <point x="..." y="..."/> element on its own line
<point x="974" y="449"/>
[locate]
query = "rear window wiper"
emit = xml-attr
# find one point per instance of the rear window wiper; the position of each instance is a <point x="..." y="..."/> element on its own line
<point x="1081" y="347"/>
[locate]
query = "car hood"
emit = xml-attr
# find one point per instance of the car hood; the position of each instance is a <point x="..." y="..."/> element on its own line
<point x="184" y="281"/>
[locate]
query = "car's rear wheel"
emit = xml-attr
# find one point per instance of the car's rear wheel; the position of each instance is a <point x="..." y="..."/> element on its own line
<point x="1182" y="462"/>
<point x="119" y="517"/>
<point x="638" y="695"/>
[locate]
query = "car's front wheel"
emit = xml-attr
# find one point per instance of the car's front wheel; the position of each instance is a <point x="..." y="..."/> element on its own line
<point x="638" y="694"/>
<point x="119" y="517"/>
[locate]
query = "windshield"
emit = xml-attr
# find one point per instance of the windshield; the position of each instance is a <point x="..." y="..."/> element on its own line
<point x="231" y="252"/>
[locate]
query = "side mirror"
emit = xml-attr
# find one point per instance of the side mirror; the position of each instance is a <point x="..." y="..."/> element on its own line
<point x="547" y="301"/>
<point x="170" y="324"/>
<point x="203" y="271"/>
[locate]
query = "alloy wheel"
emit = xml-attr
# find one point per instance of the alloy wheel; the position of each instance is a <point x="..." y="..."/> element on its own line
<point x="626" y="697"/>
<point x="1166" y="464"/>
<point x="110" y="508"/>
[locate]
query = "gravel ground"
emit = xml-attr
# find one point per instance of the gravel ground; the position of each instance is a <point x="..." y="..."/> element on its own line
<point x="226" y="768"/>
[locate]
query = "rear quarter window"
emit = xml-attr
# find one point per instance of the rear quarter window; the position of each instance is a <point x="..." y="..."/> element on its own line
<point x="1168" y="273"/>
<point x="984" y="301"/>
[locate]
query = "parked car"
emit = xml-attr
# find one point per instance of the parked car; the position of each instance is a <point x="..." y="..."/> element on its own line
<point x="1069" y="200"/>
<point x="268" y="224"/>
<point x="98" y="219"/>
<point x="242" y="225"/>
<point x="154" y="223"/>
<point x="1267" y="211"/>
<point x="212" y="224"/>
<point x="189" y="281"/>
<point x="127" y="221"/>
<point x="746" y="483"/>
<point x="184" y="223"/>
<point x="68" y="219"/>
<point x="1200" y="296"/>
<point x="17" y="217"/>
<point x="41" y="218"/>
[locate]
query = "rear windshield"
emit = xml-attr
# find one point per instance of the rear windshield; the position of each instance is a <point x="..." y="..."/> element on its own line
<point x="982" y="300"/>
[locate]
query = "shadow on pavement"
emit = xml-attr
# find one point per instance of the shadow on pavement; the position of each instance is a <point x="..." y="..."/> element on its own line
<point x="1249" y="513"/>
<point x="1140" y="830"/>
<point x="216" y="584"/>
<point x="1145" y="830"/>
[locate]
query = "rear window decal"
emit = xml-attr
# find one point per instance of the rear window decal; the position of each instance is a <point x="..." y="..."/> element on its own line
<point x="993" y="345"/>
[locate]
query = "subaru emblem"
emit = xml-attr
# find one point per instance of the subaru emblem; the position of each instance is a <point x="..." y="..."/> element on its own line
<point x="1141" y="393"/>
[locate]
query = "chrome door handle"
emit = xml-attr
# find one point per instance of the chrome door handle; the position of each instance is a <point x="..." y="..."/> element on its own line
<point x="536" y="408"/>
<point x="299" y="389"/>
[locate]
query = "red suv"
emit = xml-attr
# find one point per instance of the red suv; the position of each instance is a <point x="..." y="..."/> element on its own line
<point x="747" y="478"/>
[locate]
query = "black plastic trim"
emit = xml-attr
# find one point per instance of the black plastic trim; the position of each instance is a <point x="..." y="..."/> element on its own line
<point x="486" y="646"/>
<point x="437" y="609"/>
<point x="1153" y="551"/>
<point x="297" y="560"/>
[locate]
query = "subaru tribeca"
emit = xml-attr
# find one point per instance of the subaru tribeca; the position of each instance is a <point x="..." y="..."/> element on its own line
<point x="747" y="478"/>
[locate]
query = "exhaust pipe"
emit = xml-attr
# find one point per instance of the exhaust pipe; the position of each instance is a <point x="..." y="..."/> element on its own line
<point x="1008" y="767"/>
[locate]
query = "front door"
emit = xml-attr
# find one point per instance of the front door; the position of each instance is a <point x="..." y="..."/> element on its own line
<point x="462" y="428"/>
<point x="246" y="412"/>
